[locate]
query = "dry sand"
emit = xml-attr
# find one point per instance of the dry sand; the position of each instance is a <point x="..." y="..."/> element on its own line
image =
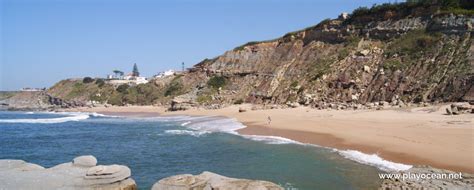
<point x="418" y="136"/>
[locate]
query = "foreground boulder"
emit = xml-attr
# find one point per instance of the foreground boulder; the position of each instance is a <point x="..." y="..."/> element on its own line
<point x="209" y="180"/>
<point x="464" y="183"/>
<point x="82" y="173"/>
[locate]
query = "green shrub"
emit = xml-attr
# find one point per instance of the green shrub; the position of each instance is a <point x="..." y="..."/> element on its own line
<point x="131" y="96"/>
<point x="294" y="84"/>
<point x="360" y="11"/>
<point x="320" y="67"/>
<point x="123" y="88"/>
<point x="77" y="89"/>
<point x="147" y="93"/>
<point x="239" y="101"/>
<point x="175" y="87"/>
<point x="458" y="11"/>
<point x="203" y="99"/>
<point x="100" y="82"/>
<point x="412" y="43"/>
<point x="95" y="97"/>
<point x="115" y="99"/>
<point x="217" y="82"/>
<point x="464" y="7"/>
<point x="352" y="41"/>
<point x="87" y="80"/>
<point x="343" y="53"/>
<point x="393" y="65"/>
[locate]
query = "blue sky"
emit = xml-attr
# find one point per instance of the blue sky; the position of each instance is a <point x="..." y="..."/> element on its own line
<point x="44" y="41"/>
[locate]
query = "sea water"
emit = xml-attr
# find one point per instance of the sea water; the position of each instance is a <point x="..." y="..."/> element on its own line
<point x="155" y="148"/>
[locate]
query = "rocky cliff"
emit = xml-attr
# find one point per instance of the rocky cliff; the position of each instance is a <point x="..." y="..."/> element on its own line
<point x="25" y="100"/>
<point x="412" y="56"/>
<point x="391" y="53"/>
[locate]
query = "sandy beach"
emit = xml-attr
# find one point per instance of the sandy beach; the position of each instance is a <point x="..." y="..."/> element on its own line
<point x="417" y="136"/>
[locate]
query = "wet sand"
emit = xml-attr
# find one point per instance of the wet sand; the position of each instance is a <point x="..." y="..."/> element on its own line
<point x="417" y="136"/>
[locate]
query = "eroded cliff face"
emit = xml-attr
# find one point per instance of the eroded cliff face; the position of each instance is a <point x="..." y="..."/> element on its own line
<point x="412" y="55"/>
<point x="424" y="58"/>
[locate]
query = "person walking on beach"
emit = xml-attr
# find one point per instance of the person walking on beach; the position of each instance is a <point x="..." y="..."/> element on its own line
<point x="269" y="120"/>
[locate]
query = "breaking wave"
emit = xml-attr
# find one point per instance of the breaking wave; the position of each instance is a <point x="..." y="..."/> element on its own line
<point x="373" y="160"/>
<point x="67" y="116"/>
<point x="271" y="139"/>
<point x="186" y="132"/>
<point x="198" y="126"/>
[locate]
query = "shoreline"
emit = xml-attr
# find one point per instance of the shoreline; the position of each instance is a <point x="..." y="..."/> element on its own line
<point x="417" y="136"/>
<point x="330" y="141"/>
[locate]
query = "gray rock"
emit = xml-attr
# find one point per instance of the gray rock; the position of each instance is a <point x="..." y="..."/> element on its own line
<point x="87" y="161"/>
<point x="21" y="165"/>
<point x="462" y="107"/>
<point x="209" y="180"/>
<point x="79" y="174"/>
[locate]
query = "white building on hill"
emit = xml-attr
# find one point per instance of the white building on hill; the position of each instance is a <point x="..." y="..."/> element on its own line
<point x="164" y="74"/>
<point x="133" y="78"/>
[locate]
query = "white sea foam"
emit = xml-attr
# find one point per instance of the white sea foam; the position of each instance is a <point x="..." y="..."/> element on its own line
<point x="92" y="114"/>
<point x="271" y="139"/>
<point x="66" y="116"/>
<point x="77" y="117"/>
<point x="204" y="125"/>
<point x="186" y="132"/>
<point x="99" y="114"/>
<point x="228" y="125"/>
<point x="216" y="124"/>
<point x="373" y="160"/>
<point x="185" y="123"/>
<point x="175" y="119"/>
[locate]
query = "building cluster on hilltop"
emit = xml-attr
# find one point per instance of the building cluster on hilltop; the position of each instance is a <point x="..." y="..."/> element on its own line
<point x="132" y="78"/>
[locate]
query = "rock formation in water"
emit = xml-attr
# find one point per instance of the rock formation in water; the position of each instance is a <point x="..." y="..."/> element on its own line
<point x="467" y="181"/>
<point x="208" y="180"/>
<point x="81" y="173"/>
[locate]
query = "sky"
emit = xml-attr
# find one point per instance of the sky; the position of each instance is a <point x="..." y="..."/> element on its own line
<point x="44" y="41"/>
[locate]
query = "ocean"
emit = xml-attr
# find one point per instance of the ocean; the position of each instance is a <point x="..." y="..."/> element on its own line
<point x="155" y="148"/>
